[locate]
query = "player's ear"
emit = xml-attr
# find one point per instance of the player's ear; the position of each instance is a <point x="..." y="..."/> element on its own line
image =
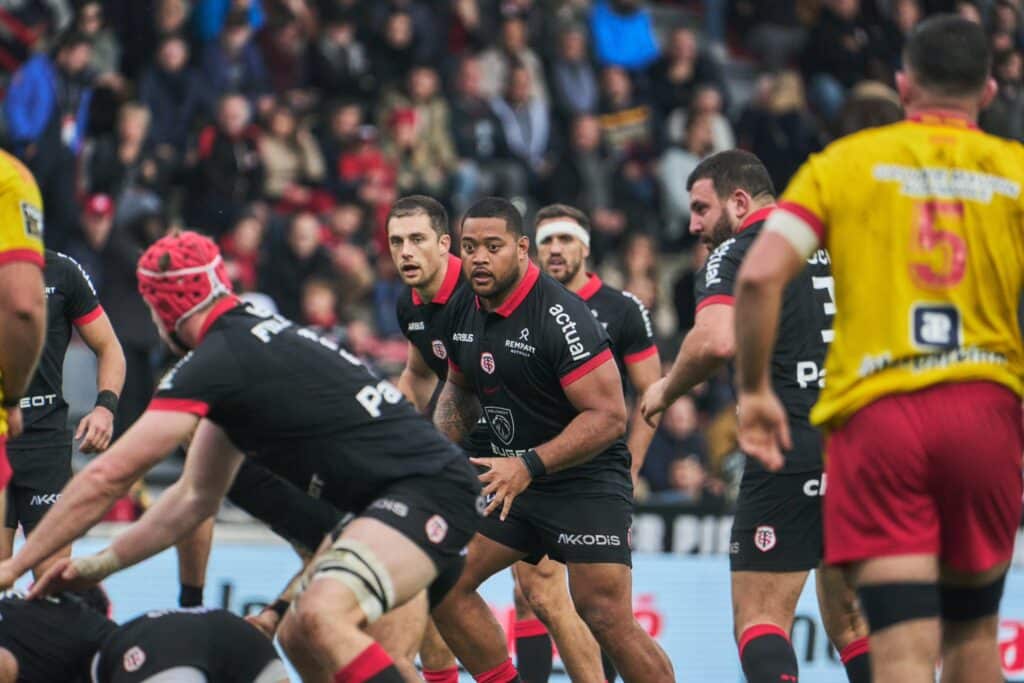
<point x="741" y="203"/>
<point x="445" y="241"/>
<point x="523" y="244"/>
<point x="904" y="86"/>
<point x="989" y="93"/>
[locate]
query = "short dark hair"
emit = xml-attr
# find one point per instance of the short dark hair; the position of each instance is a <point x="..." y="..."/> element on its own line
<point x="949" y="55"/>
<point x="563" y="211"/>
<point x="734" y="170"/>
<point x="421" y="205"/>
<point x="497" y="207"/>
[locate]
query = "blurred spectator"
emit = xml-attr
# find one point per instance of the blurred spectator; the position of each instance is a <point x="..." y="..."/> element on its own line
<point x="1007" y="23"/>
<point x="777" y="127"/>
<point x="363" y="167"/>
<point x="300" y="259"/>
<point x="319" y="304"/>
<point x="968" y="10"/>
<point x="284" y="46"/>
<point x="573" y="82"/>
<point x="677" y="436"/>
<point x="525" y="120"/>
<point x="870" y="104"/>
<point x="772" y="31"/>
<point x="1005" y="115"/>
<point x="627" y="123"/>
<point x="485" y="166"/>
<point x="340" y="61"/>
<point x="106" y="52"/>
<point x="497" y="63"/>
<point x="688" y="484"/>
<point x="707" y="100"/>
<point x="47" y="115"/>
<point x="345" y="224"/>
<point x="293" y="165"/>
<point x="467" y="30"/>
<point x="230" y="169"/>
<point x="387" y="287"/>
<point x="126" y="162"/>
<point x="234" y="63"/>
<point x="175" y="95"/>
<point x="422" y="19"/>
<point x="837" y="55"/>
<point x="623" y="34"/>
<point x="903" y="17"/>
<point x="96" y="220"/>
<point x="675" y="166"/>
<point x="241" y="248"/>
<point x="212" y="18"/>
<point x="681" y="71"/>
<point x="394" y="52"/>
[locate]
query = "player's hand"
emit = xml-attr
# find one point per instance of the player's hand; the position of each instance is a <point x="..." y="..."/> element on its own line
<point x="504" y="479"/>
<point x="653" y="402"/>
<point x="763" y="428"/>
<point x="95" y="430"/>
<point x="64" y="575"/>
<point x="266" y="621"/>
<point x="15" y="422"/>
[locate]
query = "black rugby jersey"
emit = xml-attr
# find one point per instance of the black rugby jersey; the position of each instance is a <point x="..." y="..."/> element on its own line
<point x="70" y="301"/>
<point x="805" y="329"/>
<point x="427" y="324"/>
<point x="304" y="407"/>
<point x="517" y="360"/>
<point x="626" y="320"/>
<point x="53" y="639"/>
<point x="220" y="644"/>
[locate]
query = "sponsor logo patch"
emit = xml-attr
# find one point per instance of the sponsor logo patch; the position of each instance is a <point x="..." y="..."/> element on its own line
<point x="437" y="529"/>
<point x="764" y="538"/>
<point x="32" y="218"/>
<point x="589" y="539"/>
<point x="43" y="499"/>
<point x="501" y="422"/>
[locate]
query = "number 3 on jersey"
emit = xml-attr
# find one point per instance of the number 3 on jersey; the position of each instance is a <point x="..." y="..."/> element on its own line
<point x="941" y="255"/>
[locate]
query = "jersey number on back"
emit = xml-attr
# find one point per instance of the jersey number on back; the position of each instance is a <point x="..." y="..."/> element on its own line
<point x="827" y="285"/>
<point x="942" y="255"/>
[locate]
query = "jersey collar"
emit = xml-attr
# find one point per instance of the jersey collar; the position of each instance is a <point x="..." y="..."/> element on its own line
<point x="588" y="290"/>
<point x="943" y="117"/>
<point x="517" y="297"/>
<point x="222" y="306"/>
<point x="451" y="278"/>
<point x="756" y="217"/>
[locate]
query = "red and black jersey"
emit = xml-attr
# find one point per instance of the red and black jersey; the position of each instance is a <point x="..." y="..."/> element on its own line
<point x="805" y="329"/>
<point x="626" y="320"/>
<point x="518" y="360"/>
<point x="304" y="407"/>
<point x="70" y="301"/>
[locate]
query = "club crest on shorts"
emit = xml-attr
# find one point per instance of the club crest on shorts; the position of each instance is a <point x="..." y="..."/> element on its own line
<point x="133" y="659"/>
<point x="437" y="529"/>
<point x="764" y="538"/>
<point x="487" y="362"/>
<point x="438" y="346"/>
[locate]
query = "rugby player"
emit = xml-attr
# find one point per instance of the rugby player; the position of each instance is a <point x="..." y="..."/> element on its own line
<point x="922" y="404"/>
<point x="776" y="536"/>
<point x="41" y="457"/>
<point x="255" y="385"/>
<point x="22" y="303"/>
<point x="531" y="357"/>
<point x="542" y="600"/>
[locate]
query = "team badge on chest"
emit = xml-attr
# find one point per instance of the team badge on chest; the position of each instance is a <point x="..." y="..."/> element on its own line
<point x="487" y="362"/>
<point x="438" y="346"/>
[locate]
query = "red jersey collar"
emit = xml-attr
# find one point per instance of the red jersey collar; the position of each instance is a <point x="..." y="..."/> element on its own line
<point x="451" y="278"/>
<point x="590" y="288"/>
<point x="756" y="217"/>
<point x="517" y="297"/>
<point x="222" y="306"/>
<point x="943" y="117"/>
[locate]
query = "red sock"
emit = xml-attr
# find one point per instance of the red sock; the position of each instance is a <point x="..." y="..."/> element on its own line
<point x="372" y="664"/>
<point x="503" y="673"/>
<point x="856" y="658"/>
<point x="528" y="628"/>
<point x="450" y="675"/>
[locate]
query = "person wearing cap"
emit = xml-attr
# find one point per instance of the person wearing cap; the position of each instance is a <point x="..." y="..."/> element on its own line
<point x="41" y="456"/>
<point x="252" y="384"/>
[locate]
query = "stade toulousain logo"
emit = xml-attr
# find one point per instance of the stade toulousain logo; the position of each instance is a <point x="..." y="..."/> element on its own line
<point x="437" y="529"/>
<point x="438" y="346"/>
<point x="134" y="659"/>
<point x="487" y="362"/>
<point x="764" y="538"/>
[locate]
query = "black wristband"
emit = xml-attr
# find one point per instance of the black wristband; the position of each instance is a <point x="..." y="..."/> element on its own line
<point x="108" y="400"/>
<point x="534" y="464"/>
<point x="279" y="607"/>
<point x="11" y="401"/>
<point x="190" y="596"/>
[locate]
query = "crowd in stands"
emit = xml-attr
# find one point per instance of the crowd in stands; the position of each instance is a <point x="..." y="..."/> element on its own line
<point x="286" y="128"/>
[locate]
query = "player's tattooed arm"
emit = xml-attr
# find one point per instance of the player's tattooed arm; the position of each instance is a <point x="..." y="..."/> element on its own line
<point x="458" y="408"/>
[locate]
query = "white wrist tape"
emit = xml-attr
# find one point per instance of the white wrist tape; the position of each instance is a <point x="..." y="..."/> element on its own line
<point x="552" y="228"/>
<point x="98" y="566"/>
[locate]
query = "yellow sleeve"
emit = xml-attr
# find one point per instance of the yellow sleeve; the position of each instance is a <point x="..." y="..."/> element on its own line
<point x="804" y="196"/>
<point x="21" y="214"/>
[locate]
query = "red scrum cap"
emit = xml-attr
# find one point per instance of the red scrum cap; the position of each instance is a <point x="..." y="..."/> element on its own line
<point x="179" y="274"/>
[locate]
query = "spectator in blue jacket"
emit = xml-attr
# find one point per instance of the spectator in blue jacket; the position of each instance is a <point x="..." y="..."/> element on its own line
<point x="623" y="34"/>
<point x="175" y="95"/>
<point x="211" y="16"/>
<point x="234" y="63"/>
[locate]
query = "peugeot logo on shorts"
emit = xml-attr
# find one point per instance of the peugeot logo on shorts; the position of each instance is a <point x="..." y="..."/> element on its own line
<point x="487" y="362"/>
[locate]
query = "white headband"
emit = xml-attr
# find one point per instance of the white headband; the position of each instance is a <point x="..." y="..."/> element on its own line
<point x="549" y="230"/>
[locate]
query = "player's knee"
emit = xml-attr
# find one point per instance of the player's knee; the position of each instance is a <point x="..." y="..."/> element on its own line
<point x="545" y="600"/>
<point x="890" y="604"/>
<point x="8" y="667"/>
<point x="603" y="614"/>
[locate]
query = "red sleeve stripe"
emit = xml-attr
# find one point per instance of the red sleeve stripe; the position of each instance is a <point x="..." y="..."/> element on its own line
<point x="453" y="366"/>
<point x="651" y="350"/>
<point x="22" y="255"/>
<point x="180" y="405"/>
<point x="724" y="299"/>
<point x="585" y="369"/>
<point x="88" y="317"/>
<point x="807" y="216"/>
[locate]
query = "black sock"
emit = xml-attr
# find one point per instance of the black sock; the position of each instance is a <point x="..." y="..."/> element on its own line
<point x="190" y="596"/>
<point x="857" y="659"/>
<point x="610" y="674"/>
<point x="533" y="651"/>
<point x="767" y="655"/>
